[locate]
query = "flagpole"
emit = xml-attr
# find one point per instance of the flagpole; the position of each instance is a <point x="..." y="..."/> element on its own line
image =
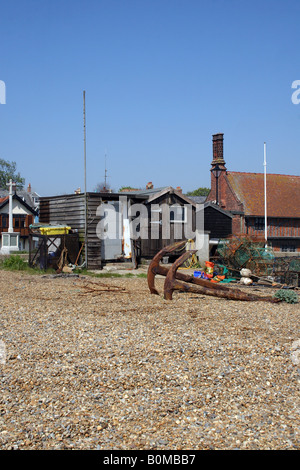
<point x="85" y="195"/>
<point x="265" y="191"/>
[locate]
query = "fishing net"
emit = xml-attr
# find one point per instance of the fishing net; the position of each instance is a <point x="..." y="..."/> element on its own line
<point x="242" y="251"/>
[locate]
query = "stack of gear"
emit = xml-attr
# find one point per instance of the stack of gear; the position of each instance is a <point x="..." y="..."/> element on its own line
<point x="209" y="273"/>
<point x="237" y="252"/>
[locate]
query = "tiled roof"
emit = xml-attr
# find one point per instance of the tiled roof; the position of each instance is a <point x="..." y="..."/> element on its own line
<point x="283" y="193"/>
<point x="5" y="200"/>
<point x="197" y="199"/>
<point x="2" y="199"/>
<point x="24" y="195"/>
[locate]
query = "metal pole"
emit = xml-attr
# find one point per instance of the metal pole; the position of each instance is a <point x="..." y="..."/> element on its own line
<point x="217" y="190"/>
<point x="85" y="196"/>
<point x="265" y="190"/>
<point x="10" y="208"/>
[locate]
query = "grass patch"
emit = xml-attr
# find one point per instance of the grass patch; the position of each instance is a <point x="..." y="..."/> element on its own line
<point x="126" y="275"/>
<point x="17" y="263"/>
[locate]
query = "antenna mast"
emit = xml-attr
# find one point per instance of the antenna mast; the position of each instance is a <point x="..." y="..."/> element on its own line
<point x="105" y="176"/>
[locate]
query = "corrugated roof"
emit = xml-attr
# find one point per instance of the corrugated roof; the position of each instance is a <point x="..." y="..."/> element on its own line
<point x="283" y="193"/>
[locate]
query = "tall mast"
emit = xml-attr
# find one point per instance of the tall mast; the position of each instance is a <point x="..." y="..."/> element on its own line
<point x="85" y="195"/>
<point x="265" y="191"/>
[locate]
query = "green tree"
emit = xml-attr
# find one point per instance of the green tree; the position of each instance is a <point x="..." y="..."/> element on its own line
<point x="199" y="192"/>
<point x="8" y="171"/>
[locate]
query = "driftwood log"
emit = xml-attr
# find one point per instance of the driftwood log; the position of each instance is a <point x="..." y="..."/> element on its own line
<point x="190" y="283"/>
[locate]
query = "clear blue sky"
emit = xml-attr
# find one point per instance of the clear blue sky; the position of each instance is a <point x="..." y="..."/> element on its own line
<point x="161" y="76"/>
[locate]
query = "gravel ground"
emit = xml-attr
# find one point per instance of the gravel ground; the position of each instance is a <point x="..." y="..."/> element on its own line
<point x="128" y="370"/>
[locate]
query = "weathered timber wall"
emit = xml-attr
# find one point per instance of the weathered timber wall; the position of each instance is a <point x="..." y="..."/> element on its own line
<point x="70" y="210"/>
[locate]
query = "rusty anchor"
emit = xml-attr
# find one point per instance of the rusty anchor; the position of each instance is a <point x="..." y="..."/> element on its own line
<point x="190" y="283"/>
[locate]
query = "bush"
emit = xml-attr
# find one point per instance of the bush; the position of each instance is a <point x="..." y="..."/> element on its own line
<point x="15" y="262"/>
<point x="287" y="295"/>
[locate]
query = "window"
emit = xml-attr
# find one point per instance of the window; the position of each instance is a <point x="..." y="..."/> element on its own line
<point x="259" y="223"/>
<point x="4" y="221"/>
<point x="177" y="214"/>
<point x="288" y="248"/>
<point x="19" y="221"/>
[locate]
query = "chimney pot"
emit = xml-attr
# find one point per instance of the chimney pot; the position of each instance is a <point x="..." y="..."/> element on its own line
<point x="218" y="146"/>
<point x="218" y="150"/>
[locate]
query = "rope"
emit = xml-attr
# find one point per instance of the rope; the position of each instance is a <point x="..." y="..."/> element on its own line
<point x="193" y="260"/>
<point x="63" y="258"/>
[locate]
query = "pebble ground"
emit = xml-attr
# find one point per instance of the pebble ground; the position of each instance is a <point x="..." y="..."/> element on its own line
<point x="85" y="367"/>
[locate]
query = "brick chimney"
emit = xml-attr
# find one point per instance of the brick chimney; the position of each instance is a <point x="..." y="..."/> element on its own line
<point x="218" y="149"/>
<point x="29" y="188"/>
<point x="218" y="169"/>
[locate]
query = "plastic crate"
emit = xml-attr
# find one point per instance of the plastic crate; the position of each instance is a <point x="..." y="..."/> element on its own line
<point x="54" y="230"/>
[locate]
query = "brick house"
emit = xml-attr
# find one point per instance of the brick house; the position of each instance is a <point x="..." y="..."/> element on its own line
<point x="24" y="215"/>
<point x="242" y="194"/>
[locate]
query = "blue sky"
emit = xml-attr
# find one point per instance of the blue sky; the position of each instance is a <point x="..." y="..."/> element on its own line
<point x="160" y="76"/>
